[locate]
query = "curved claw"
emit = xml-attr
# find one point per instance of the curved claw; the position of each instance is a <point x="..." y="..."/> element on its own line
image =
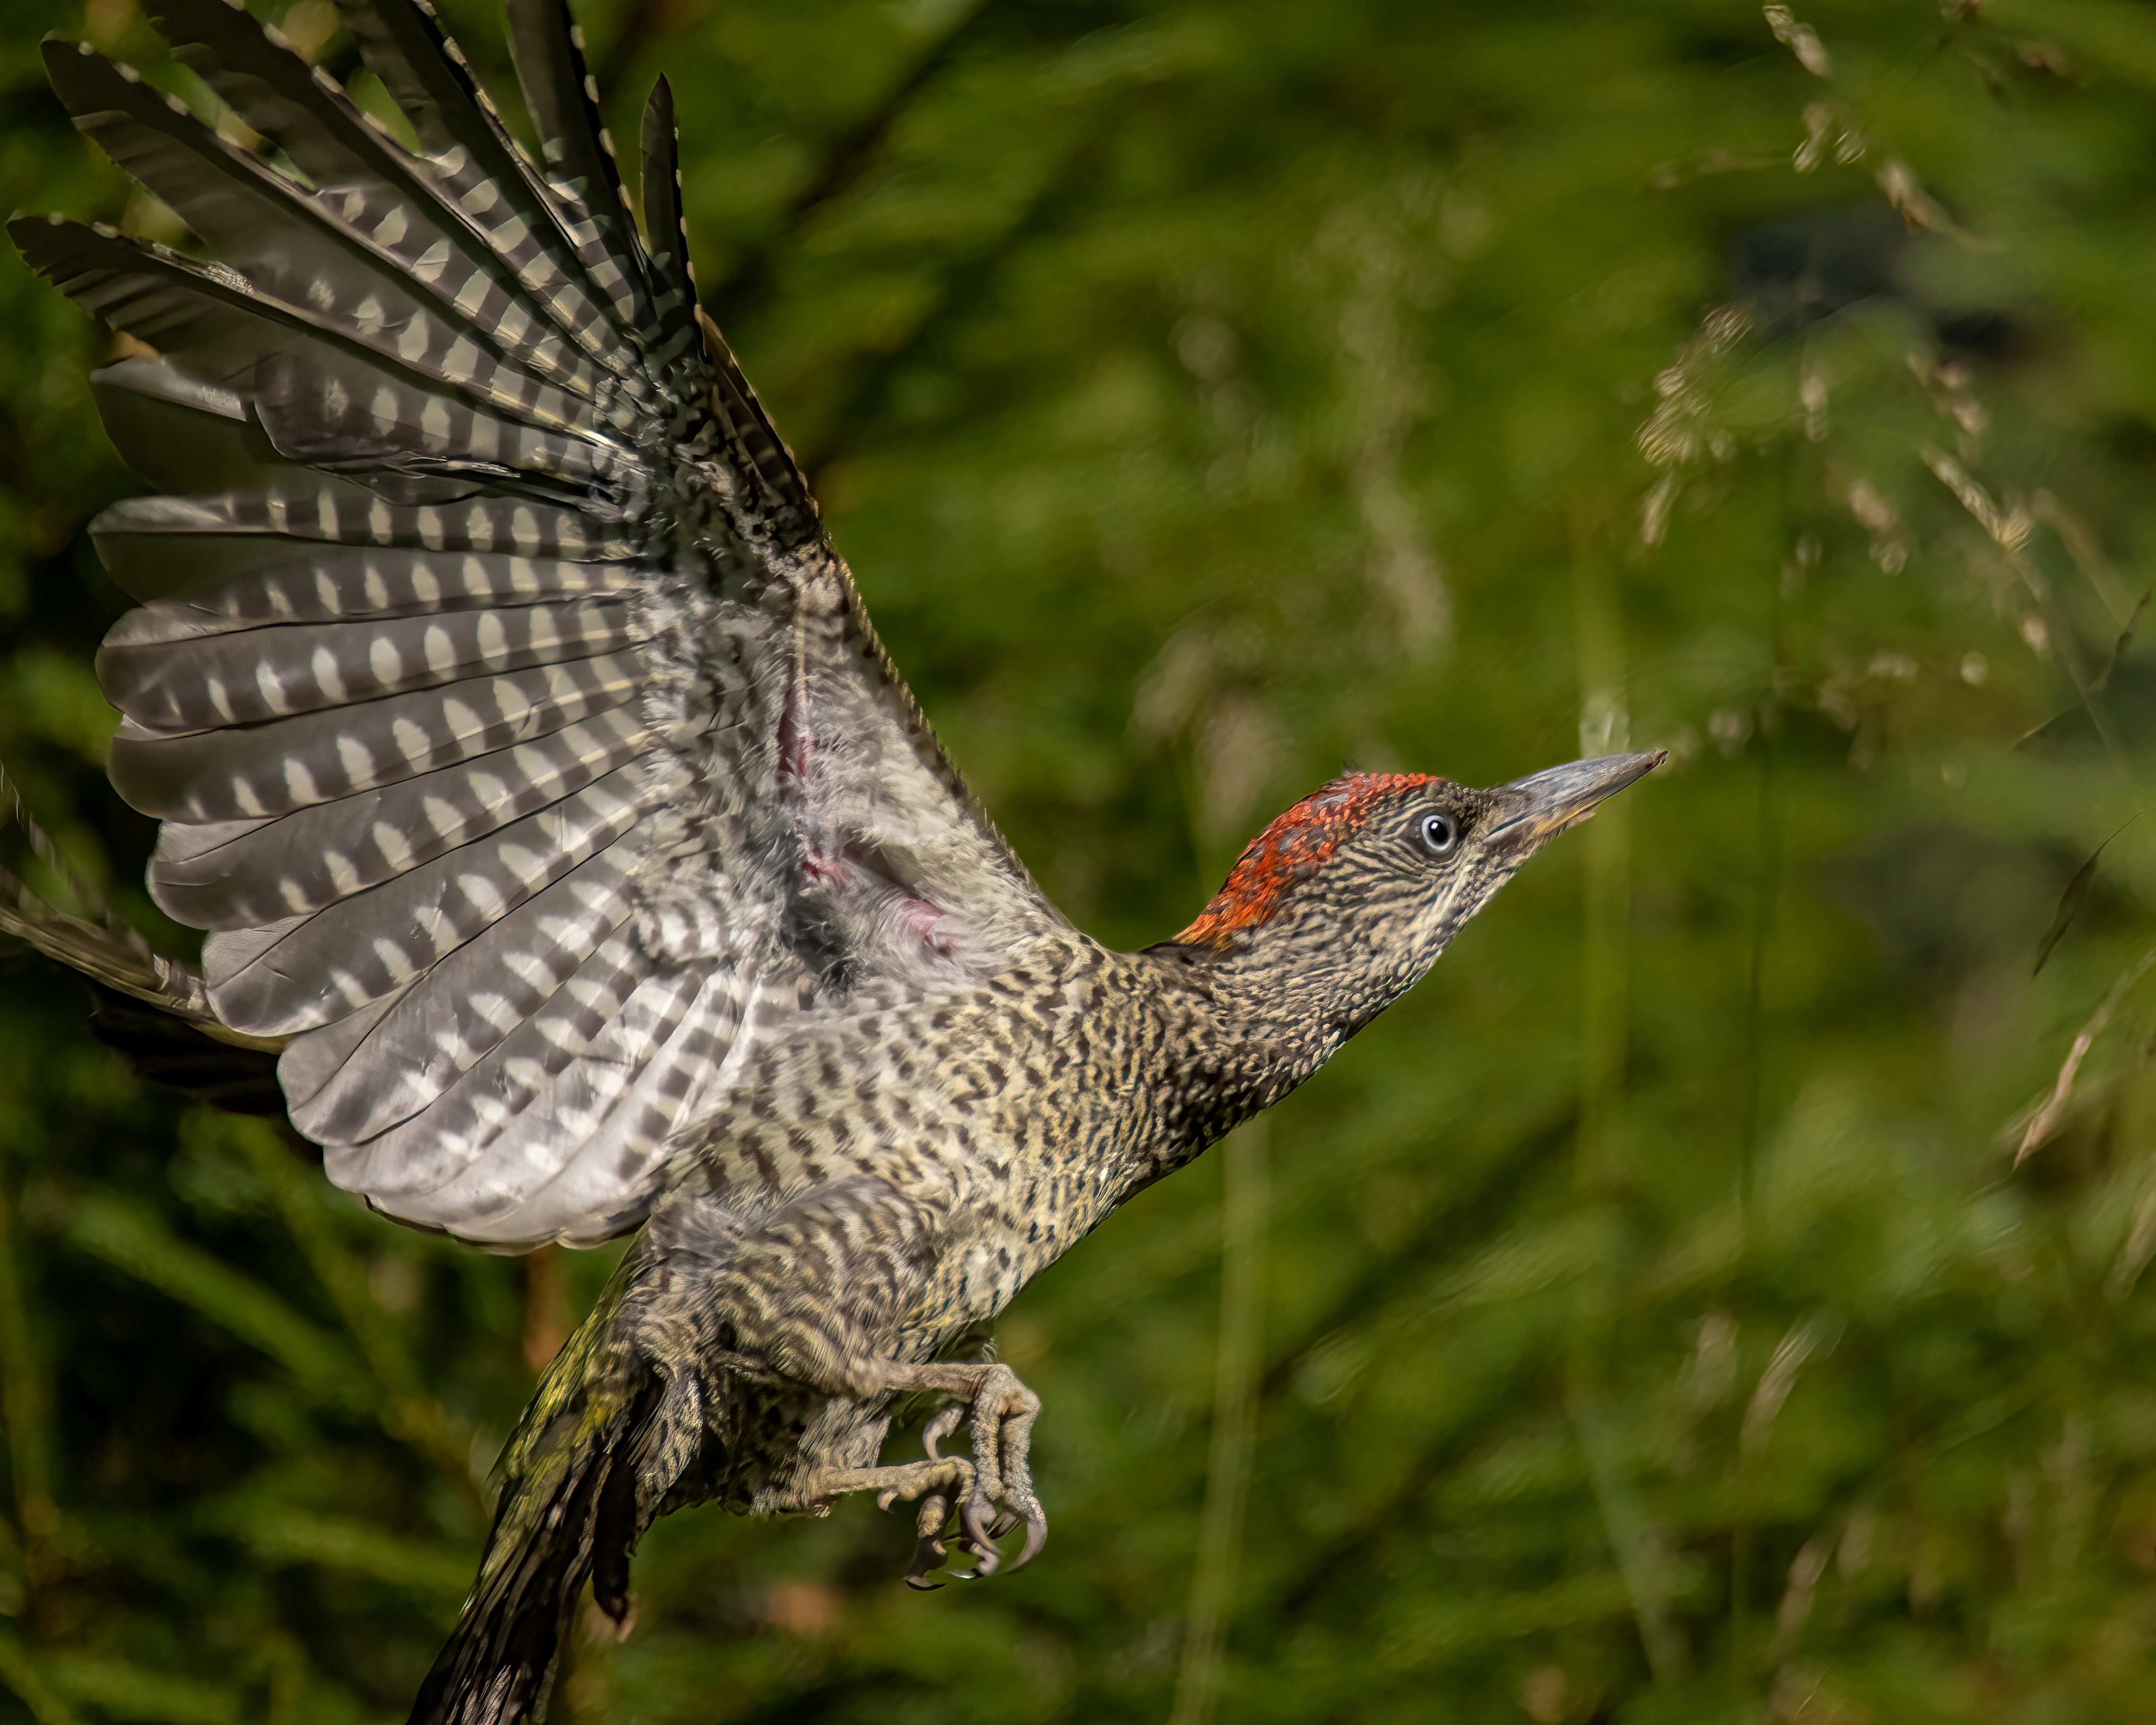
<point x="988" y="1561"/>
<point x="993" y="1493"/>
<point x="979" y="1534"/>
<point x="928" y="1555"/>
<point x="1036" y="1536"/>
<point x="946" y="1420"/>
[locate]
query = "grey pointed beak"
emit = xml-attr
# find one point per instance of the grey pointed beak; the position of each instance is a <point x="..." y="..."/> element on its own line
<point x="1539" y="807"/>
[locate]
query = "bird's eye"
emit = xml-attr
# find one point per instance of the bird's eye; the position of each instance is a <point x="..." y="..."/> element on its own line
<point x="1438" y="834"/>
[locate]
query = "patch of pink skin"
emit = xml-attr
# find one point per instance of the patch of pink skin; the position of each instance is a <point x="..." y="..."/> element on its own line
<point x="919" y="917"/>
<point x="817" y="867"/>
<point x="922" y="918"/>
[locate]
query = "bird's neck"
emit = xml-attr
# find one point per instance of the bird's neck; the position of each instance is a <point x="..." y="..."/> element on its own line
<point x="1262" y="1014"/>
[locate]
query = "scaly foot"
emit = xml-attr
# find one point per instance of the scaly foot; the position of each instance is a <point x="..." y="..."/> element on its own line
<point x="1000" y="1427"/>
<point x="995" y="1493"/>
<point x="935" y="1481"/>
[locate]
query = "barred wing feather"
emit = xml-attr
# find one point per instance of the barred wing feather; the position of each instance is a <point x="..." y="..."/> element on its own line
<point x="517" y="736"/>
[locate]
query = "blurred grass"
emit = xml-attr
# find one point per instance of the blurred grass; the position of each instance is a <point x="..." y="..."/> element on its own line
<point x="1653" y="1325"/>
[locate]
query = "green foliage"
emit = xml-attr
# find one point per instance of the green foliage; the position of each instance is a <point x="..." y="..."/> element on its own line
<point x="1654" y="1323"/>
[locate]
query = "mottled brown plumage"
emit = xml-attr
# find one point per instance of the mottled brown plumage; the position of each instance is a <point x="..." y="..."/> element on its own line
<point x="562" y="830"/>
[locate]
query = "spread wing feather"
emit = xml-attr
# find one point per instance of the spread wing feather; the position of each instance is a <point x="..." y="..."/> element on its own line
<point x="461" y="230"/>
<point x="518" y="736"/>
<point x="433" y="1036"/>
<point x="290" y="248"/>
<point x="672" y="277"/>
<point x="263" y="674"/>
<point x="243" y="873"/>
<point x="376" y="940"/>
<point x="559" y="96"/>
<point x="224" y="324"/>
<point x="336" y="585"/>
<point x="154" y="547"/>
<point x="248" y="772"/>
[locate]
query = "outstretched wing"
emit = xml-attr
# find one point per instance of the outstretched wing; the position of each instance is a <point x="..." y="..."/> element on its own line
<point x="518" y="736"/>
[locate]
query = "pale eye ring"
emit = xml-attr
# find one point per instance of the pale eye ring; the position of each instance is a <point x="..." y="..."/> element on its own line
<point x="1439" y="834"/>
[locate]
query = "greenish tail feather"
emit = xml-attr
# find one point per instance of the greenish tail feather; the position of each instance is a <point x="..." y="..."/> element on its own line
<point x="570" y="1508"/>
<point x="154" y="1010"/>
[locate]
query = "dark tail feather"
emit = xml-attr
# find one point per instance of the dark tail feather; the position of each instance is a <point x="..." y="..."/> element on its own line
<point x="570" y="1509"/>
<point x="155" y="1010"/>
<point x="174" y="1054"/>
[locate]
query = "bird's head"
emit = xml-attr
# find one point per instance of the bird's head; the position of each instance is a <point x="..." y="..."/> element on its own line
<point x="1345" y="901"/>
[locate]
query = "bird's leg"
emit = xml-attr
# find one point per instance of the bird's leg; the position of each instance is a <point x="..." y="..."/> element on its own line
<point x="995" y="1491"/>
<point x="807" y="1300"/>
<point x="936" y="1480"/>
<point x="936" y="1508"/>
<point x="998" y="1412"/>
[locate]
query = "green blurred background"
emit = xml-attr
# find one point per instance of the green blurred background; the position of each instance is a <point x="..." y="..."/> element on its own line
<point x="1646" y="1320"/>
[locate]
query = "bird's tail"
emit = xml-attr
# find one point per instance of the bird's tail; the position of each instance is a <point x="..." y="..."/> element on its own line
<point x="153" y="1009"/>
<point x="98" y="946"/>
<point x="580" y="1482"/>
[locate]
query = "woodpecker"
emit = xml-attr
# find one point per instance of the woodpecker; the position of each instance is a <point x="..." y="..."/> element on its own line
<point x="559" y="827"/>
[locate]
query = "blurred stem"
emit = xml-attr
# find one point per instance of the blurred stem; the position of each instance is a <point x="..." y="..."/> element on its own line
<point x="1755" y="984"/>
<point x="1802" y="481"/>
<point x="409" y="1413"/>
<point x="281" y="1666"/>
<point x="1766" y="886"/>
<point x="2065" y="643"/>
<point x="296" y="1190"/>
<point x="747" y="286"/>
<point x="1748" y="1150"/>
<point x="19" y="1673"/>
<point x="25" y="1405"/>
<point x="1604" y="728"/>
<point x="1640" y="1559"/>
<point x="1245" y="1200"/>
<point x="546" y="1307"/>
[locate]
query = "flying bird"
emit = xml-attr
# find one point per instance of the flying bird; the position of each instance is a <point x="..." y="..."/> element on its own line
<point x="560" y="828"/>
